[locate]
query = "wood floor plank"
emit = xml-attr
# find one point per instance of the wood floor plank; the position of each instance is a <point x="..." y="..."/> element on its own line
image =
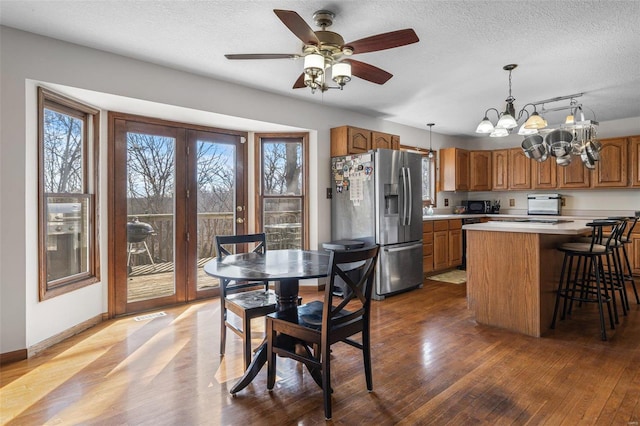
<point x="432" y="365"/>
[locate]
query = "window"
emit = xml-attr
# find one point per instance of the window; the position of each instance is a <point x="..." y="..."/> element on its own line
<point x="67" y="167"/>
<point x="428" y="175"/>
<point x="283" y="185"/>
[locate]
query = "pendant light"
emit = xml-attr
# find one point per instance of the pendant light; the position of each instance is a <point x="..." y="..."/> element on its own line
<point x="430" y="125"/>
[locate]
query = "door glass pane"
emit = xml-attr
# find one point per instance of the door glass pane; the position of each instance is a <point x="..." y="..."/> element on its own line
<point x="216" y="177"/>
<point x="283" y="223"/>
<point x="150" y="216"/>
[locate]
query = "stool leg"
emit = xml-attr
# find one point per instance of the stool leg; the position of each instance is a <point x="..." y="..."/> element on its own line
<point x="603" y="330"/>
<point x="628" y="263"/>
<point x="610" y="271"/>
<point x="559" y="292"/>
<point x="620" y="278"/>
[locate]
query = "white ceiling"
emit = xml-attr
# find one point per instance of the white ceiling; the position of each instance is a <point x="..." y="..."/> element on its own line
<point x="450" y="77"/>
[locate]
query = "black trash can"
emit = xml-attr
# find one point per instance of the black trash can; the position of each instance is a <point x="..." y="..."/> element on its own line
<point x="340" y="286"/>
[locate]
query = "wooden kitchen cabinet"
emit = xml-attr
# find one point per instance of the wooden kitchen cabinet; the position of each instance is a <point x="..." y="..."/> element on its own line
<point x="519" y="170"/>
<point x="440" y="244"/>
<point x="346" y="140"/>
<point x="611" y="168"/>
<point x="384" y="140"/>
<point x="455" y="243"/>
<point x="454" y="169"/>
<point x="634" y="154"/>
<point x="427" y="246"/>
<point x="633" y="251"/>
<point x="544" y="175"/>
<point x="447" y="244"/>
<point x="480" y="176"/>
<point x="574" y="176"/>
<point x="500" y="169"/>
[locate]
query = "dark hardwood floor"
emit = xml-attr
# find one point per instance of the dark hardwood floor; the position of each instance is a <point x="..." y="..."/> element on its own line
<point x="432" y="365"/>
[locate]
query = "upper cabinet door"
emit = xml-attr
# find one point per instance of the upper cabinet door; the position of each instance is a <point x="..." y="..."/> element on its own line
<point x="544" y="175"/>
<point x="454" y="169"/>
<point x="575" y="175"/>
<point x="500" y="169"/>
<point x="519" y="170"/>
<point x="634" y="151"/>
<point x="611" y="168"/>
<point x="346" y="140"/>
<point x="381" y="140"/>
<point x="480" y="171"/>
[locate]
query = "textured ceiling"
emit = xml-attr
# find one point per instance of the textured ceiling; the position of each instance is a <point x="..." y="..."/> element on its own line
<point x="450" y="77"/>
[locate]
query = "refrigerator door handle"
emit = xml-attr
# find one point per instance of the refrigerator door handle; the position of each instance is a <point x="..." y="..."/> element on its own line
<point x="405" y="190"/>
<point x="410" y="198"/>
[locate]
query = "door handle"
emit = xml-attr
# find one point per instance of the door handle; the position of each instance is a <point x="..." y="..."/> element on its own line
<point x="240" y="220"/>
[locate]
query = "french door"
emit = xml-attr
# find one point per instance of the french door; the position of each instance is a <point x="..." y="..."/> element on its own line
<point x="174" y="187"/>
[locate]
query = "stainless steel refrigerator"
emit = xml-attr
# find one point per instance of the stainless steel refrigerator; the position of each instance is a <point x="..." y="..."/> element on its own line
<point x="377" y="197"/>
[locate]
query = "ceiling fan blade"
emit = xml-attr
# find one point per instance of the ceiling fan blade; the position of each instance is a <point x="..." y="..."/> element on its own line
<point x="297" y="25"/>
<point x="369" y="72"/>
<point x="262" y="56"/>
<point x="384" y="41"/>
<point x="299" y="84"/>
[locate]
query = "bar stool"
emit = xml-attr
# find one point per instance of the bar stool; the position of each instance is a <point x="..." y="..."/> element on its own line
<point x="627" y="272"/>
<point x="590" y="286"/>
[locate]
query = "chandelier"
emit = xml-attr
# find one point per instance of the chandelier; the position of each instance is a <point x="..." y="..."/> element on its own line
<point x="571" y="138"/>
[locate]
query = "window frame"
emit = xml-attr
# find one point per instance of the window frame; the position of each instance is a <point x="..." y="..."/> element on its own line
<point x="432" y="171"/>
<point x="90" y="159"/>
<point x="302" y="138"/>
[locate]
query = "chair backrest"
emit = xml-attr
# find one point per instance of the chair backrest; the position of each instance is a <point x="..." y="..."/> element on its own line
<point x="259" y="240"/>
<point x="356" y="268"/>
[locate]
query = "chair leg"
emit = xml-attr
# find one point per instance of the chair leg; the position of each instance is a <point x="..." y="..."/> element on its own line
<point x="271" y="356"/>
<point x="246" y="340"/>
<point x="326" y="381"/>
<point x="366" y="354"/>
<point x="223" y="326"/>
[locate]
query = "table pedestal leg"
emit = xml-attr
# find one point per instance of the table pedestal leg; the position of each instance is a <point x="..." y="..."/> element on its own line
<point x="286" y="298"/>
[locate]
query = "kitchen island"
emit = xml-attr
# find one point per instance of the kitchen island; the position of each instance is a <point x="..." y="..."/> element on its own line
<point x="513" y="269"/>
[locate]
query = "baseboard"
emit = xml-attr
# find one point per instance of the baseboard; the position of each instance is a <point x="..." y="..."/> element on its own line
<point x="78" y="328"/>
<point x="14" y="356"/>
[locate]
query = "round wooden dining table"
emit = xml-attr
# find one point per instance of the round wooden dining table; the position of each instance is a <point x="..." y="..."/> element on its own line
<point x="286" y="268"/>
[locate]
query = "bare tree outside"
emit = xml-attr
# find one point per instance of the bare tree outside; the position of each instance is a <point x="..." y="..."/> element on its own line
<point x="62" y="153"/>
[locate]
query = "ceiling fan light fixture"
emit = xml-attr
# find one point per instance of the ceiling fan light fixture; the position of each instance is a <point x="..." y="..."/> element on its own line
<point x="341" y="73"/>
<point x="314" y="64"/>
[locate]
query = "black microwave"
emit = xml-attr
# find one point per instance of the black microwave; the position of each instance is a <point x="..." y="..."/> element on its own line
<point x="477" y="206"/>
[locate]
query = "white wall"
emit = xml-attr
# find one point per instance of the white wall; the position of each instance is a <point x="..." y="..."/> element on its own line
<point x="114" y="82"/>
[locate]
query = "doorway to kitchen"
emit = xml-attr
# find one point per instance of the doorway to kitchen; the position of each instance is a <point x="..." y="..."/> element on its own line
<point x="173" y="188"/>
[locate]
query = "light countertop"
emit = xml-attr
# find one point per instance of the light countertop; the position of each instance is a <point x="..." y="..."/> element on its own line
<point x="571" y="227"/>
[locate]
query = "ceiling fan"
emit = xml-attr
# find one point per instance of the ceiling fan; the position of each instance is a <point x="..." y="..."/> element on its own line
<point x="325" y="49"/>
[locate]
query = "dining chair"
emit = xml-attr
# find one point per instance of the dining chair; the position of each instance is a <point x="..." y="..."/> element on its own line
<point x="243" y="298"/>
<point x="315" y="326"/>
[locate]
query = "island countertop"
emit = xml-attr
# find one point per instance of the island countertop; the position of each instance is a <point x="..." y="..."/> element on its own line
<point x="533" y="226"/>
